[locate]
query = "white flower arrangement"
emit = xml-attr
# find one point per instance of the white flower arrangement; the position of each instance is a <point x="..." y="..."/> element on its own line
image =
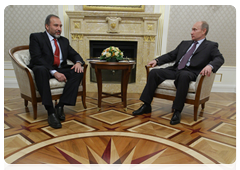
<point x="112" y="53"/>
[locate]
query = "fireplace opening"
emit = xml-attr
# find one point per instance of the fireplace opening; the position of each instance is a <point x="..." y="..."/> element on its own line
<point x="129" y="49"/>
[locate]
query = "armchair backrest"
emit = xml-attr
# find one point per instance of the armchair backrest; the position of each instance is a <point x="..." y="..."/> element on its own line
<point x="20" y="58"/>
<point x="20" y="55"/>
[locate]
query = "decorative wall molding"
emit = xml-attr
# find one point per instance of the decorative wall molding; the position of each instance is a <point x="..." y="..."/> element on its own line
<point x="225" y="80"/>
<point x="149" y="38"/>
<point x="77" y="36"/>
<point x="113" y="24"/>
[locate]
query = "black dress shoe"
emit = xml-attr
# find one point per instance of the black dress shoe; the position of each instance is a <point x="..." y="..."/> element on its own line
<point x="143" y="109"/>
<point x="59" y="112"/>
<point x="176" y="117"/>
<point x="54" y="122"/>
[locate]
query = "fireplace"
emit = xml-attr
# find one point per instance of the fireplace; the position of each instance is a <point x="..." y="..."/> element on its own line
<point x="133" y="32"/>
<point x="129" y="48"/>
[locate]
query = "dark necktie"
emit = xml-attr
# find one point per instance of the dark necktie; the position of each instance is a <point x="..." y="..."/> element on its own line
<point x="56" y="54"/>
<point x="186" y="57"/>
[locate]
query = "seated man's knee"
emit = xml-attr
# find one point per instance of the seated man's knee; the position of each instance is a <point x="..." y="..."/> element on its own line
<point x="153" y="73"/>
<point x="184" y="76"/>
<point x="156" y="73"/>
<point x="80" y="75"/>
<point x="40" y="69"/>
<point x="77" y="75"/>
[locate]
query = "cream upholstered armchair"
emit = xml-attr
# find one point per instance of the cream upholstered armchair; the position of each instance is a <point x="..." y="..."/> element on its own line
<point x="198" y="92"/>
<point x="20" y="57"/>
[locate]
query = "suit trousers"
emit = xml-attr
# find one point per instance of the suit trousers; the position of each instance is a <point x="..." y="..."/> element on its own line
<point x="69" y="95"/>
<point x="157" y="76"/>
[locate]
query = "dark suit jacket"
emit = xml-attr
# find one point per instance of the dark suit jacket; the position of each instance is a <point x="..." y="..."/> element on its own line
<point x="207" y="53"/>
<point x="42" y="54"/>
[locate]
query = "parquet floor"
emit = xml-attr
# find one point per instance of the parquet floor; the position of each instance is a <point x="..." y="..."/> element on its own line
<point x="115" y="136"/>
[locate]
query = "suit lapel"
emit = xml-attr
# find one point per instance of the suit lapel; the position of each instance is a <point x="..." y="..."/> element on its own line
<point x="184" y="49"/>
<point x="47" y="41"/>
<point x="187" y="46"/>
<point x="61" y="43"/>
<point x="201" y="47"/>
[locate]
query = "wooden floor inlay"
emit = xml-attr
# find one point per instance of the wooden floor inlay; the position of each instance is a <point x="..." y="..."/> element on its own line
<point x="215" y="150"/>
<point x="68" y="127"/>
<point x="154" y="129"/>
<point x="13" y="143"/>
<point x="113" y="135"/>
<point x="111" y="117"/>
<point x="226" y="129"/>
<point x="106" y="148"/>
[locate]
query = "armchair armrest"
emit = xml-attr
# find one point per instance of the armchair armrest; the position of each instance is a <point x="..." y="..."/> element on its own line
<point x="83" y="83"/>
<point x="147" y="69"/>
<point x="204" y="85"/>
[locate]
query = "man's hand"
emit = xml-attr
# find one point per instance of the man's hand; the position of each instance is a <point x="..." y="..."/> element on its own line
<point x="152" y="63"/>
<point x="60" y="77"/>
<point x="206" y="71"/>
<point x="78" y="68"/>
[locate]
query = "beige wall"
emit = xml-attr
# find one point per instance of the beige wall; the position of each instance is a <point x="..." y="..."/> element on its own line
<point x="22" y="20"/>
<point x="222" y="27"/>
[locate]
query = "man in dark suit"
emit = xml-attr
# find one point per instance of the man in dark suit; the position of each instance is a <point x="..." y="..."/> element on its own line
<point x="49" y="52"/>
<point x="191" y="58"/>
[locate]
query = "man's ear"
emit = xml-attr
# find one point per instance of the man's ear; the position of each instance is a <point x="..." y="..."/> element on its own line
<point x="204" y="31"/>
<point x="46" y="26"/>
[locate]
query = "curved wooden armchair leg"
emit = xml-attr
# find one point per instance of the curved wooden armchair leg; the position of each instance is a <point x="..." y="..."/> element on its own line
<point x="25" y="102"/>
<point x="84" y="101"/>
<point x="195" y="112"/>
<point x="34" y="104"/>
<point x="201" y="113"/>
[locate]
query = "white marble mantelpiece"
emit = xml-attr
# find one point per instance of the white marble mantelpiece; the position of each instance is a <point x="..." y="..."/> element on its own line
<point x="115" y="26"/>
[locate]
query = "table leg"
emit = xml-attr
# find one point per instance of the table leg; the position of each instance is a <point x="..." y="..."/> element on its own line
<point x="123" y="74"/>
<point x="124" y="85"/>
<point x="99" y="84"/>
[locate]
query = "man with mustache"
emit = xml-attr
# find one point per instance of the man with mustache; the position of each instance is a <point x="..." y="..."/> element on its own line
<point x="49" y="52"/>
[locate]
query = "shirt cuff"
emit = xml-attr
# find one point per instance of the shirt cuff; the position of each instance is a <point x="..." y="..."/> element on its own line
<point x="53" y="72"/>
<point x="211" y="66"/>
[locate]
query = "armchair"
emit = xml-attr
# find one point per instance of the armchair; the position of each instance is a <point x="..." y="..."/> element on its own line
<point x="20" y="59"/>
<point x="198" y="92"/>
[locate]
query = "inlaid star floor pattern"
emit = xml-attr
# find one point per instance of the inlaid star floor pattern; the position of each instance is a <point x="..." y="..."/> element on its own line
<point x="114" y="136"/>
